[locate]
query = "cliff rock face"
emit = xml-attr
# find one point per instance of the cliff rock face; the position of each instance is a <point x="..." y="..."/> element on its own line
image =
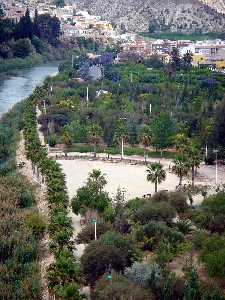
<point x="160" y="15"/>
<point x="218" y="5"/>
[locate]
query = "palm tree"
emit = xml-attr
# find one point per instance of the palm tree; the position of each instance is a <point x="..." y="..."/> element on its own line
<point x="156" y="174"/>
<point x="145" y="138"/>
<point x="180" y="167"/>
<point x="94" y="133"/>
<point x="194" y="160"/>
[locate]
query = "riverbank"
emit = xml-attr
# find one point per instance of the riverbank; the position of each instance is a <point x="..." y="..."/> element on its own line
<point x="8" y="67"/>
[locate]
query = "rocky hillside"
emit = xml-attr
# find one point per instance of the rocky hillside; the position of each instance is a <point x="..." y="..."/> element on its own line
<point x="161" y="15"/>
<point x="218" y="5"/>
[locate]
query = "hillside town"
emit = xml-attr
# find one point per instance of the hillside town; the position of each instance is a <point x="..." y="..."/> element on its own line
<point x="77" y="23"/>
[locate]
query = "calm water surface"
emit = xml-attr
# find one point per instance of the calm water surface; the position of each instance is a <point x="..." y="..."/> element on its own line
<point x="16" y="88"/>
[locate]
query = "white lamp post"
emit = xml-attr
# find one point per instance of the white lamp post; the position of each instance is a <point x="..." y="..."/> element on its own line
<point x="216" y="151"/>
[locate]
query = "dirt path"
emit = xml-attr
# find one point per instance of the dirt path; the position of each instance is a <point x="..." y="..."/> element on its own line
<point x="45" y="257"/>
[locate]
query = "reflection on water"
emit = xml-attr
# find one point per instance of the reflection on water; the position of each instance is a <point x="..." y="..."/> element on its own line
<point x="17" y="88"/>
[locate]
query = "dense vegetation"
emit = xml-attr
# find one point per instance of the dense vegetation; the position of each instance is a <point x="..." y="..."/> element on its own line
<point x="138" y="242"/>
<point x="145" y="103"/>
<point x="175" y="36"/>
<point x="63" y="273"/>
<point x="21" y="226"/>
<point x="184" y="115"/>
<point x="157" y="247"/>
<point x="19" y="40"/>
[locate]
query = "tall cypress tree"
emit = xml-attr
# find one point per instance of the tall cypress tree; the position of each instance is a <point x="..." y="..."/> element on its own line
<point x="25" y="27"/>
<point x="36" y="28"/>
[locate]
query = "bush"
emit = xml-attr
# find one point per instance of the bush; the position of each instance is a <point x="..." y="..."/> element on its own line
<point x="36" y="223"/>
<point x="21" y="48"/>
<point x="214" y="204"/>
<point x="213" y="256"/>
<point x="120" y="288"/>
<point x="52" y="141"/>
<point x="151" y="210"/>
<point x="145" y="274"/>
<point x="178" y="201"/>
<point x="38" y="44"/>
<point x="184" y="226"/>
<point x="156" y="232"/>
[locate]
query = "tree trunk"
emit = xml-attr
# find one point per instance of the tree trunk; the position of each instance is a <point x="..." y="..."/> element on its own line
<point x="156" y="187"/>
<point x="94" y="151"/>
<point x="193" y="175"/>
<point x="180" y="182"/>
<point x="145" y="157"/>
<point x="92" y="292"/>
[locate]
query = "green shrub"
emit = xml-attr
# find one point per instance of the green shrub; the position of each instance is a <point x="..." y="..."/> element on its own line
<point x="36" y="223"/>
<point x="151" y="210"/>
<point x="213" y="256"/>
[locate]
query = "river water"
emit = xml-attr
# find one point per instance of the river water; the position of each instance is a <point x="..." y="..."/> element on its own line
<point x="18" y="87"/>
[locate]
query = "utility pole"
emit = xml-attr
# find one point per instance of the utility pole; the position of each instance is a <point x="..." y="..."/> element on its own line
<point x="87" y="95"/>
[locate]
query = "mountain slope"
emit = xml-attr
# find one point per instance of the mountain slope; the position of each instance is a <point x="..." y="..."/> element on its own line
<point x="163" y="15"/>
<point x="218" y="5"/>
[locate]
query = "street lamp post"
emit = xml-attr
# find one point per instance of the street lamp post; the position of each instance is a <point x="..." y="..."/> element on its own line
<point x="94" y="221"/>
<point x="216" y="152"/>
<point x="122" y="154"/>
<point x="122" y="141"/>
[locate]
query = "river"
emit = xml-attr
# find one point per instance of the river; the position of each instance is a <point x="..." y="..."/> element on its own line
<point x="18" y="87"/>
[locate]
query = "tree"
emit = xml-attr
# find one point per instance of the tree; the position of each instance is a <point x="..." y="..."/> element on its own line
<point x="59" y="3"/>
<point x="156" y="174"/>
<point x="99" y="259"/>
<point x="91" y="197"/>
<point x="175" y="59"/>
<point x="25" y="28"/>
<point x="1" y="11"/>
<point x="162" y="128"/>
<point x="94" y="135"/>
<point x="218" y="136"/>
<point x="35" y="23"/>
<point x="194" y="159"/>
<point x="187" y="60"/>
<point x="145" y="138"/>
<point x="120" y="220"/>
<point x="120" y="134"/>
<point x="142" y="99"/>
<point x="181" y="167"/>
<point x="64" y="272"/>
<point x="48" y="28"/>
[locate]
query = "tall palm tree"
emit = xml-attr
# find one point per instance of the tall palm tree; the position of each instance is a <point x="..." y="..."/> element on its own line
<point x="194" y="160"/>
<point x="180" y="167"/>
<point x="156" y="174"/>
<point x="145" y="138"/>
